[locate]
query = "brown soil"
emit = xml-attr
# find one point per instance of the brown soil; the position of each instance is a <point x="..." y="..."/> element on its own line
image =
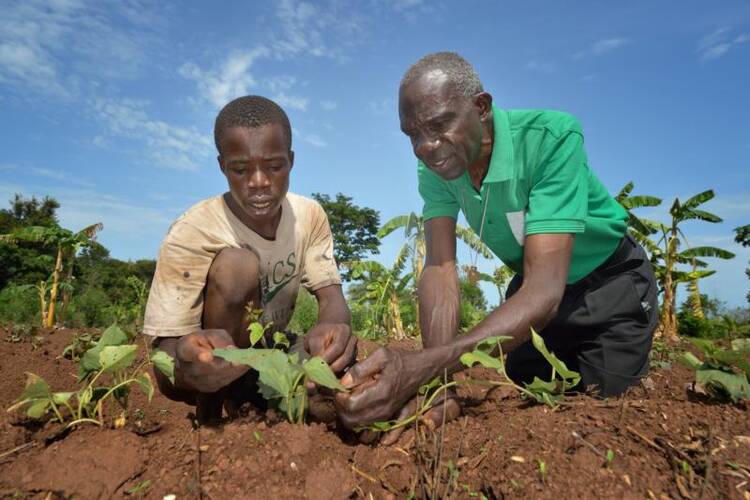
<point x="666" y="444"/>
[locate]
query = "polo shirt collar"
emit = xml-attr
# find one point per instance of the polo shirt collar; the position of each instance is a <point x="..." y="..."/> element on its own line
<point x="501" y="161"/>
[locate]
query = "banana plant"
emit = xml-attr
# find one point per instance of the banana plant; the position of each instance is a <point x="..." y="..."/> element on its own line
<point x="67" y="244"/>
<point x="382" y="289"/>
<point x="667" y="256"/>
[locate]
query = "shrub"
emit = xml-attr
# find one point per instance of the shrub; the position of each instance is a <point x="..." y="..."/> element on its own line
<point x="19" y="304"/>
<point x="305" y="312"/>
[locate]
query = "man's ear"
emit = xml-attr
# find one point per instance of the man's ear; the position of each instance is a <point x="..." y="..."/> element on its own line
<point x="483" y="102"/>
<point x="221" y="165"/>
<point x="291" y="159"/>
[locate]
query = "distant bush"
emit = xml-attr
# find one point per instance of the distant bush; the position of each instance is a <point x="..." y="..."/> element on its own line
<point x="19" y="304"/>
<point x="693" y="326"/>
<point x="305" y="312"/>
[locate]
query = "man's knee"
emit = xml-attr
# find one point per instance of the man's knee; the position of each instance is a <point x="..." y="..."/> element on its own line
<point x="234" y="276"/>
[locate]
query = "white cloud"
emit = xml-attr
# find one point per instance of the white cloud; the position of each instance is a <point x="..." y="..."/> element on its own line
<point x="382" y="107"/>
<point x="229" y="80"/>
<point x="167" y="145"/>
<point x="329" y="105"/>
<point x="601" y="47"/>
<point x="316" y="29"/>
<point x="718" y="43"/>
<point x="541" y="66"/>
<point x="314" y="140"/>
<point x="123" y="220"/>
<point x="58" y="48"/>
<point x="59" y="175"/>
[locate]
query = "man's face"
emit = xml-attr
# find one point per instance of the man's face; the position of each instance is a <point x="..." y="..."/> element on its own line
<point x="444" y="127"/>
<point x="256" y="162"/>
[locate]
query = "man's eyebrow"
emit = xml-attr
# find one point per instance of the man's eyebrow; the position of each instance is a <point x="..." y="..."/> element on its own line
<point x="246" y="159"/>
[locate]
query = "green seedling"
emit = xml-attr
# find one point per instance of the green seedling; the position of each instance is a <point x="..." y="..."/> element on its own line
<point x="112" y="359"/>
<point x="542" y="469"/>
<point x="78" y="346"/>
<point x="138" y="488"/>
<point x="283" y="377"/>
<point x="722" y="372"/>
<point x="609" y="457"/>
<point x="549" y="392"/>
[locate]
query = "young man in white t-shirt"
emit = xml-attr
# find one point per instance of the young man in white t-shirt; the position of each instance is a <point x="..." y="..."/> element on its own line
<point x="254" y="245"/>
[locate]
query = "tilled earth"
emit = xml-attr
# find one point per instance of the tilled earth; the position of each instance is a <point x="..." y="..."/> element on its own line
<point x="658" y="441"/>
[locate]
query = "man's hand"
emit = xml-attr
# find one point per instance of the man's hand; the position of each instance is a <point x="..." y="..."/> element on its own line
<point x="381" y="385"/>
<point x="334" y="343"/>
<point x="197" y="369"/>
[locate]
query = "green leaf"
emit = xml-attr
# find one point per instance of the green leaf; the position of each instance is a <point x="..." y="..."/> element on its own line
<point x="89" y="363"/>
<point x="741" y="346"/>
<point x="144" y="380"/>
<point x="572" y="377"/>
<point x="734" y="385"/>
<point x="36" y="387"/>
<point x="61" y="397"/>
<point x="690" y="360"/>
<point x="279" y="338"/>
<point x="432" y="384"/>
<point x="319" y="372"/>
<point x="250" y="357"/>
<point x="113" y="335"/>
<point x="38" y="408"/>
<point x="256" y="333"/>
<point x="699" y="199"/>
<point x="36" y="397"/>
<point x="113" y="358"/>
<point x="277" y="373"/>
<point x="164" y="363"/>
<point x="471" y="358"/>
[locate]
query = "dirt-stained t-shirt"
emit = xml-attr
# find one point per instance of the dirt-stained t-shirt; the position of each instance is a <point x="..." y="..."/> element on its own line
<point x="301" y="254"/>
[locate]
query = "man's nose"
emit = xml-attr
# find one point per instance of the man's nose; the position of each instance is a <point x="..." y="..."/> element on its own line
<point x="426" y="146"/>
<point x="259" y="179"/>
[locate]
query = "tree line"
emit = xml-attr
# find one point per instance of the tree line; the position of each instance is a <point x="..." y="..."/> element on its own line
<point x="56" y="276"/>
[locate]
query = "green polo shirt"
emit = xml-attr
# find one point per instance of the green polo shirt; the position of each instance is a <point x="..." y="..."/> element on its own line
<point x="538" y="181"/>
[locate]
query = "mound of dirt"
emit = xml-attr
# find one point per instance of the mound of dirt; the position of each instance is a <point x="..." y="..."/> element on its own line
<point x="655" y="442"/>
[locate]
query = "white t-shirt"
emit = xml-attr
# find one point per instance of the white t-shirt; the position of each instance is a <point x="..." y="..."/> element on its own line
<point x="302" y="253"/>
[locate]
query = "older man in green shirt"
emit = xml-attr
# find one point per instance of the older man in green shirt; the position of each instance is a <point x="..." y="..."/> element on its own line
<point x="522" y="179"/>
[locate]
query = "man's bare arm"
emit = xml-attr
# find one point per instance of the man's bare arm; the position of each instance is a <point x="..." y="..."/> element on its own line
<point x="439" y="298"/>
<point x="397" y="375"/>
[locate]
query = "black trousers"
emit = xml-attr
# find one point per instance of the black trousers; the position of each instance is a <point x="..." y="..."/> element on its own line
<point x="603" y="328"/>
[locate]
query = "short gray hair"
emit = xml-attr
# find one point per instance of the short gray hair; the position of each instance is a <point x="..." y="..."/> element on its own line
<point x="459" y="71"/>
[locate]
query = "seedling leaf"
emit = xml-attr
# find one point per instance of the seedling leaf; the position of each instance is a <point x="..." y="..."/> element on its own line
<point x="319" y="372"/>
<point x="572" y="377"/>
<point x="690" y="360"/>
<point x="164" y="363"/>
<point x="90" y="362"/>
<point x="144" y="380"/>
<point x="256" y="333"/>
<point x="250" y="357"/>
<point x="116" y="358"/>
<point x="279" y="338"/>
<point x="722" y="383"/>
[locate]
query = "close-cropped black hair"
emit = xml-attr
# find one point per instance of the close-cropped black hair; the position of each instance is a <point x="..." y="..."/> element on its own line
<point x="251" y="111"/>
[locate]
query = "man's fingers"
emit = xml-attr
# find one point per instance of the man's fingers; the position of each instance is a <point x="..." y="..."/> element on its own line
<point x="218" y="339"/>
<point x="392" y="436"/>
<point x="349" y="355"/>
<point x="445" y="412"/>
<point x="335" y="345"/>
<point x="364" y="370"/>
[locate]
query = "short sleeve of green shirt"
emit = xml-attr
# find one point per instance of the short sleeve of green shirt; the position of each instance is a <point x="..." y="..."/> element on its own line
<point x="558" y="200"/>
<point x="439" y="201"/>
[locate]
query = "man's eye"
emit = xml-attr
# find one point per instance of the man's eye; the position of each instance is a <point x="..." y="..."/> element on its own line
<point x="237" y="171"/>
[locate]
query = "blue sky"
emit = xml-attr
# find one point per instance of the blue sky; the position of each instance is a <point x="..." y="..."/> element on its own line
<point x="109" y="106"/>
